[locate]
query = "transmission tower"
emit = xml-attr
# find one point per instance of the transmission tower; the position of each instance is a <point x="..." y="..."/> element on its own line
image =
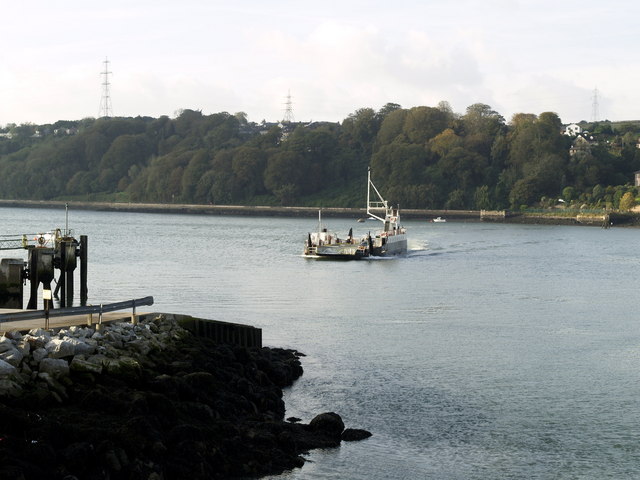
<point x="288" y="109"/>
<point x="595" y="107"/>
<point x="105" y="101"/>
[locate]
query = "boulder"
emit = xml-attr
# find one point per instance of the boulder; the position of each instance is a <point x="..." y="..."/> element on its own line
<point x="56" y="389"/>
<point x="9" y="388"/>
<point x="61" y="347"/>
<point x="55" y="367"/>
<point x="38" y="354"/>
<point x="14" y="335"/>
<point x="329" y="423"/>
<point x="85" y="346"/>
<point x="12" y="356"/>
<point x="79" y="364"/>
<point x="23" y="346"/>
<point x="36" y="342"/>
<point x="6" y="344"/>
<point x="6" y="369"/>
<point x="355" y="434"/>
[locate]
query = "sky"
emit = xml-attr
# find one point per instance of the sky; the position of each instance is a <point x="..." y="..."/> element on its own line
<point x="330" y="58"/>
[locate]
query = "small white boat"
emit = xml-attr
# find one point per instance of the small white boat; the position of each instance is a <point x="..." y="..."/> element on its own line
<point x="438" y="220"/>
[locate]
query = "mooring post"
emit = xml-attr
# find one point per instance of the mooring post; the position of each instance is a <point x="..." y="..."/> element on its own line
<point x="83" y="268"/>
<point x="62" y="281"/>
<point x="69" y="266"/>
<point x="34" y="282"/>
<point x="47" y="299"/>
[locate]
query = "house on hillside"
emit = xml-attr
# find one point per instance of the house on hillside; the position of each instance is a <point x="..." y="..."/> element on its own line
<point x="637" y="176"/>
<point x="573" y="130"/>
<point x="582" y="144"/>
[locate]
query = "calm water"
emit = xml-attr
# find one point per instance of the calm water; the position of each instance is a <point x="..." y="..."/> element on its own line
<point x="489" y="352"/>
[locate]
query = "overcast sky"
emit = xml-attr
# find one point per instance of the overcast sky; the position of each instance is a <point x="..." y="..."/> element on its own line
<point x="334" y="57"/>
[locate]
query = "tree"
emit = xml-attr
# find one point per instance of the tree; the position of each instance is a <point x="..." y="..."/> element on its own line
<point x="568" y="194"/>
<point x="481" y="198"/>
<point x="193" y="173"/>
<point x="524" y="192"/>
<point x="444" y="142"/>
<point x="284" y="168"/>
<point x="386" y="110"/>
<point x="627" y="202"/>
<point x="248" y="166"/>
<point x="360" y="129"/>
<point x="424" y="123"/>
<point x="125" y="151"/>
<point x="392" y="128"/>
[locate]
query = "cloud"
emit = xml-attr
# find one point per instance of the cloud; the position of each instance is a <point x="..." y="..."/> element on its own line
<point x="334" y="57"/>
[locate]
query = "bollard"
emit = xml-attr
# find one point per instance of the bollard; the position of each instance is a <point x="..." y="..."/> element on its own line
<point x="46" y="297"/>
<point x="84" y="241"/>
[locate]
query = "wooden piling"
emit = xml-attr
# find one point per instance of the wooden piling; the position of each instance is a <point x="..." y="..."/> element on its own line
<point x="84" y="242"/>
<point x="62" y="282"/>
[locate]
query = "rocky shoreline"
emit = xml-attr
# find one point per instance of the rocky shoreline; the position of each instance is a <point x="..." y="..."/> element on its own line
<point x="149" y="401"/>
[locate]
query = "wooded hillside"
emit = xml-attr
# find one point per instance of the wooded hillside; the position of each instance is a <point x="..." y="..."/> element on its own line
<point x="422" y="157"/>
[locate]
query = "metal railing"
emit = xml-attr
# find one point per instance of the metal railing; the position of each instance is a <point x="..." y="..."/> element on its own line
<point x="84" y="310"/>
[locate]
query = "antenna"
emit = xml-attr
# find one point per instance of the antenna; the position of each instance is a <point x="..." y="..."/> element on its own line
<point x="105" y="101"/>
<point x="595" y="114"/>
<point x="288" y="110"/>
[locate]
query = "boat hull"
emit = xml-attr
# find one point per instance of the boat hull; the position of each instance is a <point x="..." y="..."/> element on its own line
<point x="390" y="246"/>
<point x="339" y="252"/>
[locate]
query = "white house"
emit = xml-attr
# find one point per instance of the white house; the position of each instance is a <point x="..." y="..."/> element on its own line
<point x="573" y="130"/>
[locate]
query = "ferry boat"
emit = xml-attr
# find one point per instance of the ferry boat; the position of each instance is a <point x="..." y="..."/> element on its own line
<point x="392" y="239"/>
<point x="329" y="245"/>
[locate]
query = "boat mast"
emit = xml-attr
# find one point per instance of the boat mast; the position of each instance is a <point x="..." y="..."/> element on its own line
<point x="380" y="204"/>
<point x="368" y="188"/>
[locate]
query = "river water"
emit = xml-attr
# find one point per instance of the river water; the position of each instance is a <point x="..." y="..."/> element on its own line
<point x="489" y="352"/>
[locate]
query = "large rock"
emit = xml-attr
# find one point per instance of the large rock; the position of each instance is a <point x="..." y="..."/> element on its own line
<point x="328" y="423"/>
<point x="6" y="369"/>
<point x="79" y="364"/>
<point x="9" y="388"/>
<point x="38" y="354"/>
<point x="12" y="356"/>
<point x="355" y="434"/>
<point x="37" y="341"/>
<point x="86" y="346"/>
<point x="61" y="347"/>
<point x="6" y="344"/>
<point x="55" y="367"/>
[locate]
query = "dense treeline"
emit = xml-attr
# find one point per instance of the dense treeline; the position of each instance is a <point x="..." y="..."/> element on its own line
<point x="422" y="157"/>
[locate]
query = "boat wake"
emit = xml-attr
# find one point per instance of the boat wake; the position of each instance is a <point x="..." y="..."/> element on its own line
<point x="417" y="245"/>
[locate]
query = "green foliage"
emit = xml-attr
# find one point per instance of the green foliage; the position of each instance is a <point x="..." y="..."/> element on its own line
<point x="627" y="202"/>
<point x="422" y="157"/>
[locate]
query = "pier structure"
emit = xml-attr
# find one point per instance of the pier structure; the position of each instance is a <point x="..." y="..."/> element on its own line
<point x="46" y="252"/>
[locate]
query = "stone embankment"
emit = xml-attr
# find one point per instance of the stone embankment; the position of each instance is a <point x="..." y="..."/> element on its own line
<point x="149" y="401"/>
<point x="560" y="217"/>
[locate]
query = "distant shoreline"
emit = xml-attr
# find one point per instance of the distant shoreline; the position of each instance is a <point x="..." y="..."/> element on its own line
<point x="267" y="211"/>
<point x="596" y="219"/>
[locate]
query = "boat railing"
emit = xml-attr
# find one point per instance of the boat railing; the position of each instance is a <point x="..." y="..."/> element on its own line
<point x="378" y="205"/>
